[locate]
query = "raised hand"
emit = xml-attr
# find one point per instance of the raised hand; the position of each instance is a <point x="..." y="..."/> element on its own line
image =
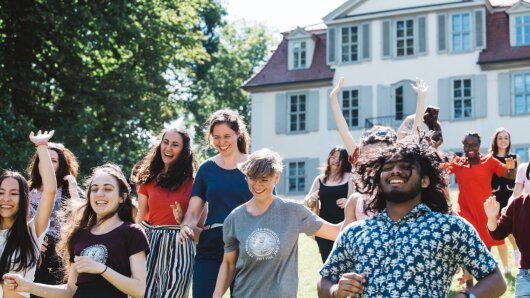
<point x="491" y="207"/>
<point x="420" y="87"/>
<point x="41" y="138"/>
<point x="335" y="92"/>
<point x="510" y="163"/>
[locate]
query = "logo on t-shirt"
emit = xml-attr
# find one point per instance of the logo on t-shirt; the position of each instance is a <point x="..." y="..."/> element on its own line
<point x="263" y="244"/>
<point x="97" y="252"/>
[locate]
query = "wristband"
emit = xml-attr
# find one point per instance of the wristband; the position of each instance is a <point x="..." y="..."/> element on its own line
<point x="104" y="270"/>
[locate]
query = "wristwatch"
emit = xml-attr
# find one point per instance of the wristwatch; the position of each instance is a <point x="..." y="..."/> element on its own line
<point x="468" y="294"/>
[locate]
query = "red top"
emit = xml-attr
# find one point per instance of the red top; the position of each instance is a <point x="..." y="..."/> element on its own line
<point x="159" y="200"/>
<point x="474" y="185"/>
<point x="516" y="221"/>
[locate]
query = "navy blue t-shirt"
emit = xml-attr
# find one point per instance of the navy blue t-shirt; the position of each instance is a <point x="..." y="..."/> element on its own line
<point x="223" y="189"/>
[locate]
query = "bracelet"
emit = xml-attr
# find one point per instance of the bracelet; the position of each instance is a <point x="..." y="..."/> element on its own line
<point x="104" y="270"/>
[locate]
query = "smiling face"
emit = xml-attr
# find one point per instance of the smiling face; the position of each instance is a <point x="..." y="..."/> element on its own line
<point x="503" y="140"/>
<point x="262" y="187"/>
<point x="9" y="198"/>
<point x="401" y="180"/>
<point x="171" y="147"/>
<point x="334" y="162"/>
<point x="471" y="147"/>
<point x="224" y="139"/>
<point x="104" y="194"/>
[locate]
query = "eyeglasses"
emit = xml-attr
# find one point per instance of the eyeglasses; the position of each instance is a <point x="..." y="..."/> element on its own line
<point x="224" y="138"/>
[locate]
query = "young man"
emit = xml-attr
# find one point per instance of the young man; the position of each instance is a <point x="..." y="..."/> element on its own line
<point x="413" y="247"/>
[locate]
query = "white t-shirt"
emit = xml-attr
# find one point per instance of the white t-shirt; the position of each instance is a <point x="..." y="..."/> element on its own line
<point x="27" y="274"/>
<point x="521" y="177"/>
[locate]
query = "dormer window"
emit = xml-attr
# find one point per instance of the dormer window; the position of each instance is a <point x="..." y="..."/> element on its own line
<point x="299" y="54"/>
<point x="519" y="24"/>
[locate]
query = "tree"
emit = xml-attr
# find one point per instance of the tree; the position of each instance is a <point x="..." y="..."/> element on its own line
<point x="98" y="72"/>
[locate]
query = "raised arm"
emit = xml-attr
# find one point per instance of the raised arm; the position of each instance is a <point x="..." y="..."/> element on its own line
<point x="226" y="274"/>
<point x="49" y="182"/>
<point x="420" y="87"/>
<point x="342" y="126"/>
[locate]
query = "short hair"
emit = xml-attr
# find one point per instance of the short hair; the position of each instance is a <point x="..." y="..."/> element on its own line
<point x="262" y="163"/>
<point x="472" y="134"/>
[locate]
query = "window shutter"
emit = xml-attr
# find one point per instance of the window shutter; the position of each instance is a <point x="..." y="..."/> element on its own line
<point x="281" y="113"/>
<point x="505" y="94"/>
<point x="481" y="96"/>
<point x="365" y="104"/>
<point x="442" y="33"/>
<point x="444" y="99"/>
<point x="422" y="35"/>
<point x="384" y="107"/>
<point x="331" y="119"/>
<point x="386" y="40"/>
<point x="366" y="46"/>
<point x="332" y="45"/>
<point x="312" y="111"/>
<point x="480" y="36"/>
<point x="312" y="171"/>
<point x="280" y="187"/>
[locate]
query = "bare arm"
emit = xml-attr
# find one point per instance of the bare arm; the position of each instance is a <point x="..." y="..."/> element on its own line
<point x="312" y="196"/>
<point x="349" y="285"/>
<point x="491" y="286"/>
<point x="329" y="231"/>
<point x="342" y="126"/>
<point x="191" y="219"/>
<point x="133" y="286"/>
<point x="19" y="284"/>
<point x="226" y="273"/>
<point x="49" y="182"/>
<point x="420" y="87"/>
<point x="143" y="208"/>
<point x="349" y="211"/>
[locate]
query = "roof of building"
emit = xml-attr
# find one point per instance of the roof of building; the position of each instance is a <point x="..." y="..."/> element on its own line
<point x="504" y="3"/>
<point x="498" y="47"/>
<point x="275" y="71"/>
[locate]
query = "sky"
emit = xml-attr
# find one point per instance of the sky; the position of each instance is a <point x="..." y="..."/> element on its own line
<point x="281" y="15"/>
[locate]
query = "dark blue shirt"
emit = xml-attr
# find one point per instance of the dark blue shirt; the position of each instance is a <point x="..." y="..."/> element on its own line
<point x="223" y="189"/>
<point x="416" y="256"/>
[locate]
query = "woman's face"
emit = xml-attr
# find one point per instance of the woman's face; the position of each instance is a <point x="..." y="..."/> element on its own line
<point x="104" y="194"/>
<point x="171" y="147"/>
<point x="471" y="147"/>
<point x="334" y="161"/>
<point x="503" y="140"/>
<point x="55" y="159"/>
<point x="224" y="139"/>
<point x="9" y="198"/>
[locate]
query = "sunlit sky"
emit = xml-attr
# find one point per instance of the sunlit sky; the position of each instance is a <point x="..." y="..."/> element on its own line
<point x="281" y="15"/>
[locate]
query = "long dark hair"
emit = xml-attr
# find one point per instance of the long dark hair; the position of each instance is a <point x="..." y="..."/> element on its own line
<point x="85" y="218"/>
<point x="20" y="251"/>
<point x="494" y="148"/>
<point x="366" y="175"/>
<point x="235" y="122"/>
<point x="179" y="171"/>
<point x="67" y="166"/>
<point x="345" y="166"/>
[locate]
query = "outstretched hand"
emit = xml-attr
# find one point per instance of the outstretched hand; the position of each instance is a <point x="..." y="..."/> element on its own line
<point x="420" y="87"/>
<point x="510" y="163"/>
<point x="41" y="138"/>
<point x="335" y="92"/>
<point x="491" y="207"/>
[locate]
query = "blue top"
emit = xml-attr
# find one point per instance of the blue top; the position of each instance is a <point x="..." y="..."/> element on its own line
<point x="416" y="256"/>
<point x="223" y="189"/>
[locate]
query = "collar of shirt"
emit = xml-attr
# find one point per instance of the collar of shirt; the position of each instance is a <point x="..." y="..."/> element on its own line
<point x="420" y="210"/>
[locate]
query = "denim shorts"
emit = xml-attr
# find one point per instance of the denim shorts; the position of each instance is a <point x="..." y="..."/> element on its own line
<point x="522" y="283"/>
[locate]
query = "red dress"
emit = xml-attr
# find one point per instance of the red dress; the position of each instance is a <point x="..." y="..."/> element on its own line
<point x="474" y="185"/>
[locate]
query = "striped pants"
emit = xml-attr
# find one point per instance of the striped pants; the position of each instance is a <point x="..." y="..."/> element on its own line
<point x="169" y="264"/>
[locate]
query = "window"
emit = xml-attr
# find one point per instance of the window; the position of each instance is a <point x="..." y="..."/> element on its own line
<point x="522" y="30"/>
<point x="461" y="32"/>
<point x="296" y="176"/>
<point x="404" y="35"/>
<point x="521" y="88"/>
<point x="350" y="107"/>
<point x="299" y="54"/>
<point x="297" y="112"/>
<point x="398" y="93"/>
<point x="462" y="97"/>
<point x="524" y="153"/>
<point x="350" y="44"/>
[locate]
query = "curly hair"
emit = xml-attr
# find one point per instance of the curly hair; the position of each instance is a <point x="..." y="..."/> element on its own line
<point x="182" y="169"/>
<point x="366" y="174"/>
<point x="68" y="165"/>
<point x="472" y="134"/>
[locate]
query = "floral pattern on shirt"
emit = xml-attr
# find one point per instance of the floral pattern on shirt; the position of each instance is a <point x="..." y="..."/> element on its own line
<point x="34" y="198"/>
<point x="416" y="256"/>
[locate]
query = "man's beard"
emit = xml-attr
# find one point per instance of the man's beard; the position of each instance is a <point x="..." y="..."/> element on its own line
<point x="396" y="196"/>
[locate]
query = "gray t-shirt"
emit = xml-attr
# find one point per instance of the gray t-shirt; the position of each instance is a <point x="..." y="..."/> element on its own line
<point x="267" y="265"/>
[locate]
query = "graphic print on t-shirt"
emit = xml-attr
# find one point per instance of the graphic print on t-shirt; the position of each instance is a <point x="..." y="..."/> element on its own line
<point x="262" y="244"/>
<point x="97" y="252"/>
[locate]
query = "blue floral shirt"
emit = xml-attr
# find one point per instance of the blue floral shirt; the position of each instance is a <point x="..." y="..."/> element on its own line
<point x="416" y="256"/>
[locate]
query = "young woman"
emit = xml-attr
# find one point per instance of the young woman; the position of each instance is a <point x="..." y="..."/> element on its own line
<point x="20" y="240"/>
<point x="50" y="267"/>
<point x="330" y="191"/>
<point x="221" y="185"/>
<point x="261" y="236"/>
<point x="106" y="251"/>
<point x="502" y="188"/>
<point x="165" y="177"/>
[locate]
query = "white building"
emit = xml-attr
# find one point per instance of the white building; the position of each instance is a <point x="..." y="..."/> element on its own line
<point x="474" y="54"/>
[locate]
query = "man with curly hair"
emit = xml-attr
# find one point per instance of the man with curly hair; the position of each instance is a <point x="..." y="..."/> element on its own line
<point x="413" y="246"/>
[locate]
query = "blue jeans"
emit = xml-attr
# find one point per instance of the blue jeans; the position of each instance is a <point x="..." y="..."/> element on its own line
<point x="522" y="283"/>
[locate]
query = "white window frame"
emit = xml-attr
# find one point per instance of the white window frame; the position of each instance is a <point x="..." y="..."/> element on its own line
<point x="396" y="39"/>
<point x="461" y="32"/>
<point x="352" y="99"/>
<point x="300" y="114"/>
<point x="462" y="98"/>
<point x="299" y="54"/>
<point x="297" y="176"/>
<point x="521" y="27"/>
<point x="525" y="93"/>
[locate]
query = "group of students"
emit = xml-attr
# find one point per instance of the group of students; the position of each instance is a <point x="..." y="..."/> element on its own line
<point x="221" y="225"/>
